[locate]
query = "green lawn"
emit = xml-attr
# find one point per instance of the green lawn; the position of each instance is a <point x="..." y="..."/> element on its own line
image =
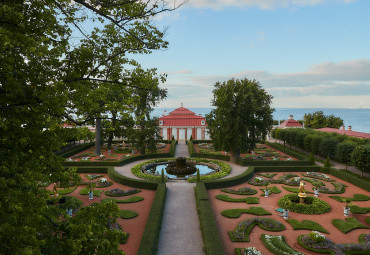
<point x="348" y="224"/>
<point x="306" y="224"/>
<point x="295" y="190"/>
<point x="248" y="200"/>
<point x="127" y="214"/>
<point x="96" y="192"/>
<point x="356" y="197"/>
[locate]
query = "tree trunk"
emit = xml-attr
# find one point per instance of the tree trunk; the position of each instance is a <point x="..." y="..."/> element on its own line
<point x="234" y="156"/>
<point x="110" y="136"/>
<point x="97" y="136"/>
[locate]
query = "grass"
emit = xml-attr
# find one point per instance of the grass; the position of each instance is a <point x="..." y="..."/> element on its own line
<point x="93" y="176"/>
<point x="96" y="192"/>
<point x="314" y="181"/>
<point x="248" y="200"/>
<point x="277" y="245"/>
<point x="235" y="213"/>
<point x="295" y="190"/>
<point x="241" y="191"/>
<point x="127" y="214"/>
<point x="356" y="197"/>
<point x="359" y="210"/>
<point x="367" y="220"/>
<point x="272" y="189"/>
<point x="133" y="199"/>
<point x="348" y="224"/>
<point x="307" y="224"/>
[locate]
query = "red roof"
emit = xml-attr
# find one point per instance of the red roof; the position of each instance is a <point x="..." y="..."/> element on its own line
<point x="346" y="132"/>
<point x="290" y="123"/>
<point x="182" y="117"/>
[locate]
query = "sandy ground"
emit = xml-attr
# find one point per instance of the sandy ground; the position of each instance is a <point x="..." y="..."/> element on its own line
<point x="270" y="204"/>
<point x="135" y="226"/>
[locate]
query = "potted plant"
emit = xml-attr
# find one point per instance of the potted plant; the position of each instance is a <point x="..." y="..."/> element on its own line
<point x="316" y="189"/>
<point x="266" y="189"/>
<point x="347" y="208"/>
<point x="91" y="186"/>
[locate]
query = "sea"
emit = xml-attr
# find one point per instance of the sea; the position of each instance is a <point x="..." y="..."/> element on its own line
<point x="358" y="118"/>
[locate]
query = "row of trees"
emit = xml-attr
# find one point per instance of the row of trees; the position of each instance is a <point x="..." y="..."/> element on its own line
<point x="342" y="148"/>
<point x="67" y="60"/>
<point x="319" y="120"/>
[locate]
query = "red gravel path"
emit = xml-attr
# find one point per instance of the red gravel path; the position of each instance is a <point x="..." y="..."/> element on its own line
<point x="135" y="227"/>
<point x="270" y="204"/>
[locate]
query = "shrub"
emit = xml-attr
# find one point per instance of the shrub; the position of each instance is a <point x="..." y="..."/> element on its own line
<point x="121" y="192"/>
<point x="240" y="191"/>
<point x="127" y="214"/>
<point x="248" y="200"/>
<point x="277" y="245"/>
<point x="327" y="162"/>
<point x="235" y="213"/>
<point x="113" y="175"/>
<point x="312" y="205"/>
<point x="348" y="224"/>
<point x="306" y="224"/>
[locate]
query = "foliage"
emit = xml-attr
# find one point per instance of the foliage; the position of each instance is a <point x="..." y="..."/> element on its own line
<point x="319" y="120"/>
<point x="306" y="224"/>
<point x="277" y="245"/>
<point x="127" y="214"/>
<point x="348" y="224"/>
<point x="93" y="176"/>
<point x="247" y="200"/>
<point x="131" y="182"/>
<point x="267" y="175"/>
<point x="136" y="170"/>
<point x="344" y="152"/>
<point x="96" y="192"/>
<point x="149" y="240"/>
<point x="242" y="230"/>
<point x="272" y="190"/>
<point x="240" y="191"/>
<point x="242" y="109"/>
<point x="327" y="162"/>
<point x="66" y="191"/>
<point x="295" y="190"/>
<point x="133" y="199"/>
<point x="349" y="177"/>
<point x="338" y="188"/>
<point x="198" y="175"/>
<point x="311" y="205"/>
<point x="361" y="158"/>
<point x="74" y="150"/>
<point x="235" y="213"/>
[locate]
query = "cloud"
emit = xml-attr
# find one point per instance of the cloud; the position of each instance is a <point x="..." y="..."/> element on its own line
<point x="321" y="82"/>
<point x="263" y="4"/>
<point x="177" y="72"/>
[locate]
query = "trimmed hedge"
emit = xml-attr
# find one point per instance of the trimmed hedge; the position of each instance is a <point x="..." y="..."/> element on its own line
<point x="210" y="235"/>
<point x="149" y="240"/>
<point x="227" y="182"/>
<point x="363" y="183"/>
<point x="312" y="205"/>
<point x="92" y="170"/>
<point x="290" y="152"/>
<point x="194" y="154"/>
<point x="249" y="162"/>
<point x="135" y="183"/>
<point x="286" y="169"/>
<point x="74" y="150"/>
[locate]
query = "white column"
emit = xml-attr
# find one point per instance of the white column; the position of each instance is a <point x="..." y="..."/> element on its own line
<point x="164" y="132"/>
<point x="174" y="133"/>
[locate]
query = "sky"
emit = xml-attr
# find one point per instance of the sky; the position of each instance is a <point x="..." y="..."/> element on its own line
<point x="305" y="53"/>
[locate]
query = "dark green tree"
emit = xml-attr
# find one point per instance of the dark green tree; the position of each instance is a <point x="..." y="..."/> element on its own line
<point x="361" y="158"/>
<point x="344" y="152"/>
<point x="45" y="69"/>
<point x="242" y="116"/>
<point x="319" y="120"/>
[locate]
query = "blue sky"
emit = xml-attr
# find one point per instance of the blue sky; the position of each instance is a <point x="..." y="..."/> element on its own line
<point x="306" y="53"/>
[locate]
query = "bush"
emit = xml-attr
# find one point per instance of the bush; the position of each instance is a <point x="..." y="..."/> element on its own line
<point x="290" y="152"/>
<point x="210" y="234"/>
<point x="74" y="150"/>
<point x="312" y="205"/>
<point x="354" y="179"/>
<point x="149" y="240"/>
<point x="277" y="245"/>
<point x="113" y="175"/>
<point x="239" y="179"/>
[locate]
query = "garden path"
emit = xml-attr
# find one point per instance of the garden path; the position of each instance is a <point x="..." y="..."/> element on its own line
<point x="180" y="233"/>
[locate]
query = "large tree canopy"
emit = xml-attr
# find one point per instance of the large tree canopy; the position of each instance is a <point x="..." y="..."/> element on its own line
<point x="319" y="120"/>
<point x="241" y="117"/>
<point x="59" y="59"/>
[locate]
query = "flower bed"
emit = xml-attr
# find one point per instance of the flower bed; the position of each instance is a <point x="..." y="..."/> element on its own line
<point x="248" y="251"/>
<point x="317" y="175"/>
<point x="317" y="242"/>
<point x="242" y="230"/>
<point x="241" y="191"/>
<point x="121" y="192"/>
<point x="339" y="188"/>
<point x="312" y="205"/>
<point x="277" y="245"/>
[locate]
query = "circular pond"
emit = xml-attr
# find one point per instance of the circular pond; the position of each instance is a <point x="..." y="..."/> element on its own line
<point x="156" y="169"/>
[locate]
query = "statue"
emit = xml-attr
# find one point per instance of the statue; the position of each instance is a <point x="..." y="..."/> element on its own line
<point x="55" y="192"/>
<point x="301" y="187"/>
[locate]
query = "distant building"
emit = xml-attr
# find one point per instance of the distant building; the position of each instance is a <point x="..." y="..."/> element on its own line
<point x="290" y="123"/>
<point x="182" y="124"/>
<point x="343" y="131"/>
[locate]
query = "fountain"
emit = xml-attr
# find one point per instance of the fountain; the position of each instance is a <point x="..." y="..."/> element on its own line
<point x="180" y="168"/>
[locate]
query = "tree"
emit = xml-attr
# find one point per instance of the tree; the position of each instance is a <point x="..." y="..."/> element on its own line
<point x="361" y="158"/>
<point x="344" y="151"/>
<point x="319" y="120"/>
<point x="44" y="69"/>
<point x="242" y="116"/>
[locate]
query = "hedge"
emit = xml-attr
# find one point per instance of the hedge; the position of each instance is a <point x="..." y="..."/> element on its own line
<point x="149" y="240"/>
<point x="136" y="183"/>
<point x="116" y="163"/>
<point x="172" y="149"/>
<point x="286" y="150"/>
<point x="194" y="154"/>
<point x="74" y="150"/>
<point x="210" y="235"/>
<point x="248" y="162"/>
<point x="92" y="170"/>
<point x="259" y="169"/>
<point x="363" y="183"/>
<point x="227" y="182"/>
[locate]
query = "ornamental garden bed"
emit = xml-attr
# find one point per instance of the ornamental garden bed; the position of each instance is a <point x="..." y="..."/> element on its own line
<point x="262" y="152"/>
<point x="134" y="205"/>
<point x="231" y="209"/>
<point x="116" y="153"/>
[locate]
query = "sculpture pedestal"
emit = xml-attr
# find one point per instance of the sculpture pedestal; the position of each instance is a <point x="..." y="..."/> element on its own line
<point x="301" y="197"/>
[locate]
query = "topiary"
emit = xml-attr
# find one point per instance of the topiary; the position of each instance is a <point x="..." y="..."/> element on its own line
<point x="327" y="162"/>
<point x="311" y="205"/>
<point x="312" y="159"/>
